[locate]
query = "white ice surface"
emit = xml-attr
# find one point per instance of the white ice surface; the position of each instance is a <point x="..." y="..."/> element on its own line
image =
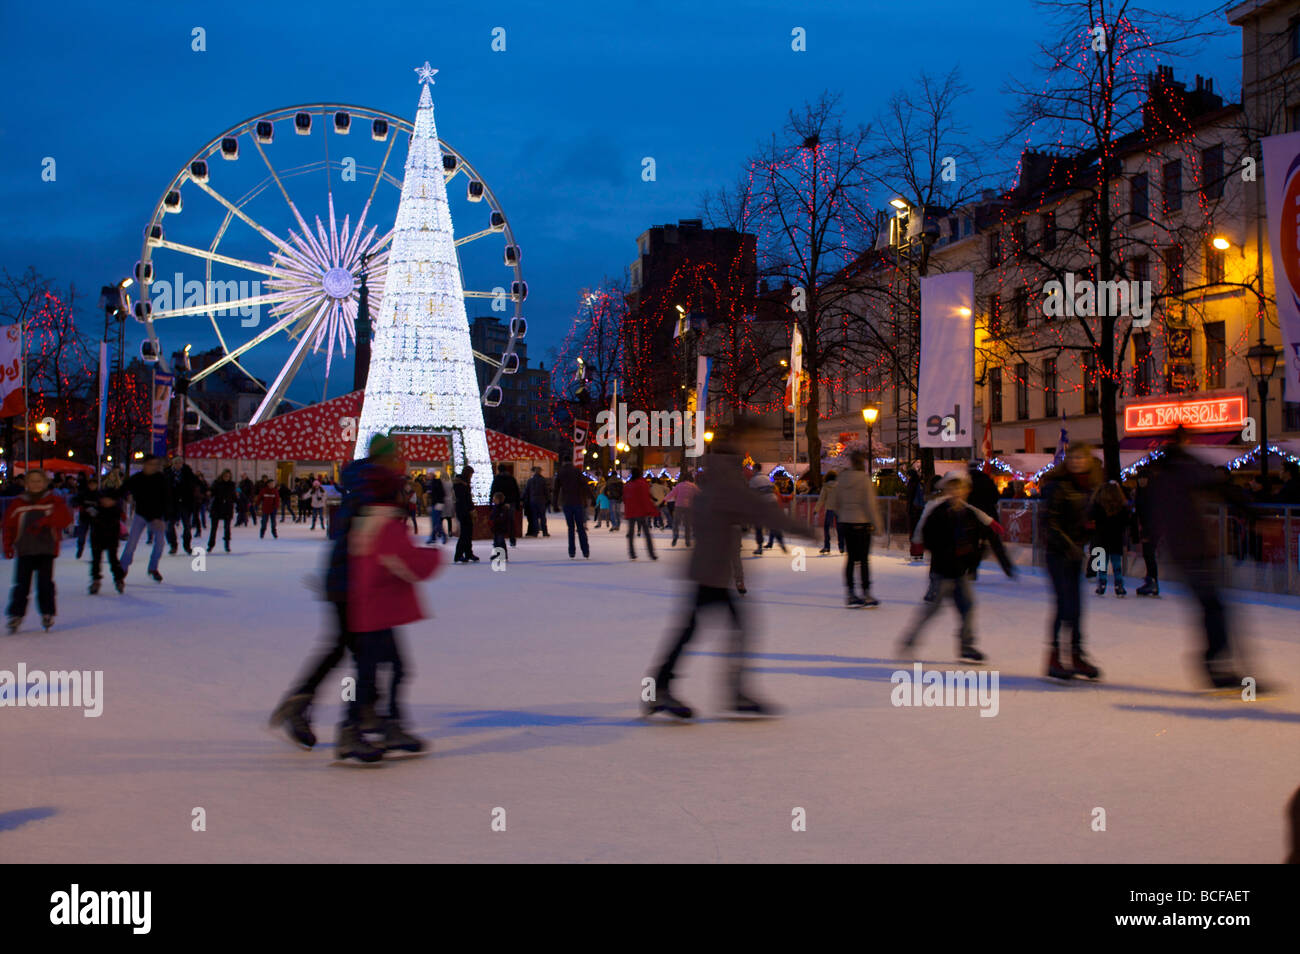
<point x="527" y="683"/>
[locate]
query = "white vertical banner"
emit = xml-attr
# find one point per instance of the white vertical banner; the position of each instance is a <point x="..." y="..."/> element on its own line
<point x="796" y="368"/>
<point x="945" y="402"/>
<point x="1282" y="194"/>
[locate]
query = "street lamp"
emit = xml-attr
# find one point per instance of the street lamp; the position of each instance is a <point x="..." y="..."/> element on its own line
<point x="869" y="414"/>
<point x="1261" y="359"/>
<point x="1221" y="243"/>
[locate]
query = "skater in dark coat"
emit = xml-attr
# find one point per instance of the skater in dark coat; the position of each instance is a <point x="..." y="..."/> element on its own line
<point x="436" y="495"/>
<point x="954" y="532"/>
<point x="105" y="516"/>
<point x="537" y="497"/>
<point x="150" y="491"/>
<point x="1112" y="520"/>
<point x="464" y="496"/>
<point x="572" y="494"/>
<point x="723" y="505"/>
<point x="1144" y="514"/>
<point x="1066" y="490"/>
<point x="224" y="493"/>
<point x="505" y="484"/>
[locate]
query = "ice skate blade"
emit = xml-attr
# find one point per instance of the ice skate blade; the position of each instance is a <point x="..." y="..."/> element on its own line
<point x="732" y="715"/>
<point x="397" y="755"/>
<point x="356" y="763"/>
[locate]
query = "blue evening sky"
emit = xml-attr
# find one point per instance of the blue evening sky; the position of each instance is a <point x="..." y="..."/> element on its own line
<point x="557" y="124"/>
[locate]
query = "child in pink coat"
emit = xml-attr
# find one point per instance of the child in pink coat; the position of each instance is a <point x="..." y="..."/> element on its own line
<point x="384" y="565"/>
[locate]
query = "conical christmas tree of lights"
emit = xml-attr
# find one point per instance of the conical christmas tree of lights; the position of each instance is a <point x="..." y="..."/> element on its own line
<point x="422" y="376"/>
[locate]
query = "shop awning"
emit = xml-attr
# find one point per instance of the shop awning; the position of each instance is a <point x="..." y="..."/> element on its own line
<point x="1146" y="442"/>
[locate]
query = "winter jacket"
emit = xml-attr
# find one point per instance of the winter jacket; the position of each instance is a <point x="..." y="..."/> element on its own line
<point x="828" y="499"/>
<point x="855" y="499"/>
<point x="683" y="495"/>
<point x="502" y="519"/>
<point x="723" y="505"/>
<point x="383" y="567"/>
<point x="1065" y="501"/>
<point x="637" y="501"/>
<point x="33" y="525"/>
<point x="983" y="491"/>
<point x="536" y="491"/>
<point x="269" y="499"/>
<point x="1184" y="490"/>
<point x="151" y="494"/>
<point x="436" y="493"/>
<point x="953" y="535"/>
<point x="357" y="483"/>
<point x="507" y="486"/>
<point x="318" y="497"/>
<point x="1109" y="529"/>
<point x="223" y="499"/>
<point x="105" y="519"/>
<point x="464" y="500"/>
<point x="614" y="489"/>
<point x="572" y="489"/>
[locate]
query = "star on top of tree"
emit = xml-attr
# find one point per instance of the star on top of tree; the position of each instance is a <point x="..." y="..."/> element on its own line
<point x="425" y="72"/>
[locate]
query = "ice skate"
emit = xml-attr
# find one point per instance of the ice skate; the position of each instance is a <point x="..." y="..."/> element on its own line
<point x="853" y="601"/>
<point x="156" y="575"/>
<point x="1120" y="589"/>
<point x="1149" y="588"/>
<point x="1054" y="668"/>
<point x="120" y="583"/>
<point x="667" y="702"/>
<point x="292" y="714"/>
<point x="1101" y="586"/>
<point x="14" y="623"/>
<point x="351" y="745"/>
<point x="47" y="621"/>
<point x="399" y="743"/>
<point x="970" y="654"/>
<point x="94" y="587"/>
<point x="1083" y="666"/>
<point x="869" y="601"/>
<point x="744" y="705"/>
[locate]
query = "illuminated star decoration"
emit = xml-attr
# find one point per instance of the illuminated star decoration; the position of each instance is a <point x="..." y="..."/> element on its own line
<point x="425" y="72"/>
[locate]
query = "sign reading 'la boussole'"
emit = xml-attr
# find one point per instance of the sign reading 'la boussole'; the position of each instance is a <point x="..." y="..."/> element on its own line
<point x="1212" y="413"/>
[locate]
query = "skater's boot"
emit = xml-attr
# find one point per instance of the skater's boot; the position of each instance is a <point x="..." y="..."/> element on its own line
<point x="853" y="601"/>
<point x="970" y="654"/>
<point x="47" y="620"/>
<point x="1149" y="588"/>
<point x="120" y="582"/>
<point x="1054" y="668"/>
<point x="94" y="587"/>
<point x="1120" y="590"/>
<point x="1083" y="666"/>
<point x="1101" y="586"/>
<point x="666" y="702"/>
<point x="748" y="705"/>
<point x="397" y="741"/>
<point x="352" y="744"/>
<point x="14" y="623"/>
<point x="868" y="600"/>
<point x="292" y="714"/>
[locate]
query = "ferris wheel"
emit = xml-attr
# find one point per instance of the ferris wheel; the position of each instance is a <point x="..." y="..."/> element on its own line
<point x="279" y="228"/>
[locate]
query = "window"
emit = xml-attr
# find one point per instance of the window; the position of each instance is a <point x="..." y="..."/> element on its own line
<point x="1020" y="307"/>
<point x="995" y="248"/>
<point x="1018" y="239"/>
<point x="1212" y="172"/>
<point x="995" y="316"/>
<point x="1090" y="402"/>
<point x="1294" y="39"/>
<point x="1143" y="363"/>
<point x="1216" y="352"/>
<point x="1174" y="270"/>
<point x="1138" y="204"/>
<point x="1214" y="262"/>
<point x="1049" y="231"/>
<point x="1022" y="392"/>
<point x="995" y="395"/>
<point x="1141" y="269"/>
<point x="1049" y="387"/>
<point x="1172" y="191"/>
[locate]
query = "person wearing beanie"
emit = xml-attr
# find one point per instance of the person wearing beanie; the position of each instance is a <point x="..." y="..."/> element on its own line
<point x="464" y="498"/>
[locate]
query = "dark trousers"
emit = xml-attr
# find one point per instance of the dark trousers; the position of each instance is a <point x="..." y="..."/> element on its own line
<point x="1214" y="616"/>
<point x="530" y="521"/>
<point x="98" y="548"/>
<point x="706" y="596"/>
<point x="268" y="516"/>
<point x="374" y="649"/>
<point x="42" y="565"/>
<point x="83" y="528"/>
<point x="644" y="524"/>
<point x="212" y="537"/>
<point x="827" y="521"/>
<point x="575" y="516"/>
<point x="332" y="654"/>
<point x="465" y="543"/>
<point x="1066" y="579"/>
<point x="857" y="539"/>
<point x="943" y="587"/>
<point x="186" y="517"/>
<point x="1149" y="558"/>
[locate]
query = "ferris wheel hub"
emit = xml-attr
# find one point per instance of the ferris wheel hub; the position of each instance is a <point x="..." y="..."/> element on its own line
<point x="338" y="283"/>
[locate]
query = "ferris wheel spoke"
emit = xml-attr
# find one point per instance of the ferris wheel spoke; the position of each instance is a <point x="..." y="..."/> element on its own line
<point x="216" y="257"/>
<point x="230" y="304"/>
<point x="475" y="236"/>
<point x="282" y="380"/>
<point x="487" y="360"/>
<point x="380" y="174"/>
<point x="232" y="356"/>
<point x="271" y="169"/>
<point x="243" y="216"/>
<point x="486" y="294"/>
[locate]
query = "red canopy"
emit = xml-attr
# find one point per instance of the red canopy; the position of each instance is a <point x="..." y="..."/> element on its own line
<point x="59" y="464"/>
<point x="320" y="433"/>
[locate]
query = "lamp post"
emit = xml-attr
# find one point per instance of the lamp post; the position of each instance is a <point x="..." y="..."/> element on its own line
<point x="1261" y="359"/>
<point x="869" y="414"/>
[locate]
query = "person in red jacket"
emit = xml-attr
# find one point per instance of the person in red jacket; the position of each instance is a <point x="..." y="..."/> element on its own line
<point x="268" y="500"/>
<point x="32" y="527"/>
<point x="638" y="507"/>
<point x="383" y="566"/>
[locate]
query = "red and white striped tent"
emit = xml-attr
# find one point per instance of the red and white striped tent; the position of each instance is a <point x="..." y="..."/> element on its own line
<point x="314" y="439"/>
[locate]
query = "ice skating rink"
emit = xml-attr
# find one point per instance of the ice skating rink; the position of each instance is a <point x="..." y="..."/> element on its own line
<point x="528" y="683"/>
